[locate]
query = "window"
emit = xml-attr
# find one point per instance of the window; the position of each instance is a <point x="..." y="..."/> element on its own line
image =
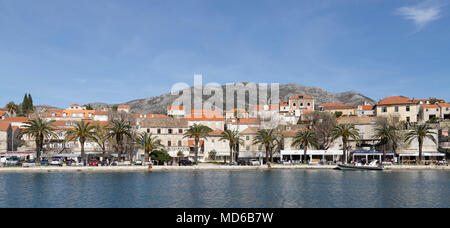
<point x="396" y="108"/>
<point x="169" y="143"/>
<point x="437" y="110"/>
<point x="407" y="108"/>
<point x="446" y="109"/>
<point x="179" y="143"/>
<point x="294" y="104"/>
<point x="309" y="104"/>
<point x="260" y="147"/>
<point x="158" y="131"/>
<point x="247" y="148"/>
<point x="180" y="131"/>
<point x="301" y="104"/>
<point x="148" y="130"/>
<point x="426" y="110"/>
<point x="384" y="109"/>
<point x="170" y="131"/>
<point x="408" y="119"/>
<point x="247" y="137"/>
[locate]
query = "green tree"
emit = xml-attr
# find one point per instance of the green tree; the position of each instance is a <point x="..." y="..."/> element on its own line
<point x="118" y="129"/>
<point x="266" y="137"/>
<point x="232" y="138"/>
<point x="101" y="136"/>
<point x="197" y="132"/>
<point x="40" y="130"/>
<point x="149" y="143"/>
<point x="12" y="108"/>
<point x="305" y="139"/>
<point x="338" y="114"/>
<point x="420" y="133"/>
<point x="387" y="133"/>
<point x="346" y="132"/>
<point x="82" y="132"/>
<point x="161" y="156"/>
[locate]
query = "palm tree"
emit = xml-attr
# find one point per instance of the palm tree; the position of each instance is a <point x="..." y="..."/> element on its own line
<point x="346" y="132"/>
<point x="387" y="133"/>
<point x="266" y="137"/>
<point x="82" y="132"/>
<point x="12" y="108"/>
<point x="305" y="139"/>
<point x="118" y="129"/>
<point x="230" y="136"/>
<point x="233" y="140"/>
<point x="40" y="130"/>
<point x="101" y="136"/>
<point x="149" y="143"/>
<point x="420" y="132"/>
<point x="197" y="131"/>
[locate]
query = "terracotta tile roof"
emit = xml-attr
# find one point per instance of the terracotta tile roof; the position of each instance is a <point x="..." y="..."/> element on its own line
<point x="97" y="112"/>
<point x="284" y="103"/>
<point x="175" y="107"/>
<point x="356" y="120"/>
<point x="245" y="121"/>
<point x="396" y="100"/>
<point x="123" y="107"/>
<point x="305" y="112"/>
<point x="4" y="126"/>
<point x="3" y="109"/>
<point x="368" y="107"/>
<point x="236" y="110"/>
<point x="164" y="122"/>
<point x="444" y="105"/>
<point x="300" y="96"/>
<point x="16" y="119"/>
<point x="291" y="133"/>
<point x="203" y="117"/>
<point x="2" y="113"/>
<point x="431" y="106"/>
<point x="335" y="106"/>
<point x="149" y="115"/>
<point x="271" y="107"/>
<point x="74" y="105"/>
<point x="250" y="131"/>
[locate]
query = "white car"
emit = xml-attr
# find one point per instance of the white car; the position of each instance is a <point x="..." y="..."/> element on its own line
<point x="138" y="162"/>
<point x="30" y="163"/>
<point x="55" y="162"/>
<point x="254" y="162"/>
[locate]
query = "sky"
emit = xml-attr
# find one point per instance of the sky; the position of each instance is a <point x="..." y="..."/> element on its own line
<point x="113" y="51"/>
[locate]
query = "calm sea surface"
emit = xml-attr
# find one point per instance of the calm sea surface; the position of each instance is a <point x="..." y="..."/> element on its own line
<point x="276" y="188"/>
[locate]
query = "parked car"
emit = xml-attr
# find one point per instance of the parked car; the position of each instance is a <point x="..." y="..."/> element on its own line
<point x="138" y="162"/>
<point x="171" y="162"/>
<point x="93" y="162"/>
<point x="12" y="161"/>
<point x="44" y="162"/>
<point x="243" y="162"/>
<point x="233" y="163"/>
<point x="255" y="162"/>
<point x="56" y="162"/>
<point x="29" y="163"/>
<point x="185" y="163"/>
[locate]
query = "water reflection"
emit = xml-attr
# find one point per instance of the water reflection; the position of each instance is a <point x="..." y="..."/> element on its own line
<point x="275" y="188"/>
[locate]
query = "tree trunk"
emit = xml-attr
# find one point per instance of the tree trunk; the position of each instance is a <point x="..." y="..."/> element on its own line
<point x="231" y="153"/>
<point x="304" y="155"/>
<point x="196" y="149"/>
<point x="384" y="153"/>
<point x="146" y="156"/>
<point x="344" y="159"/>
<point x="267" y="154"/>
<point x="83" y="155"/>
<point x="38" y="152"/>
<point x="271" y="155"/>
<point x="420" y="150"/>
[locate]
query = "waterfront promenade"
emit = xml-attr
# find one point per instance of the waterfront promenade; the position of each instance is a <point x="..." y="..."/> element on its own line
<point x="38" y="169"/>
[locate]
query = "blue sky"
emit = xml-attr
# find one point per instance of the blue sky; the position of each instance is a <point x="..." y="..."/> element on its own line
<point x="65" y="51"/>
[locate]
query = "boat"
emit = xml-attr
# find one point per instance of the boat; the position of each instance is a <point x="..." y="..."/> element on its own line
<point x="359" y="166"/>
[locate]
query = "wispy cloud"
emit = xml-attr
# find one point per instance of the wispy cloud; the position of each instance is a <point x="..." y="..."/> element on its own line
<point x="421" y="14"/>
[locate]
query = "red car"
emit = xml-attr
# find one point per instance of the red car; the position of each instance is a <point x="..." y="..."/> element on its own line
<point x="93" y="163"/>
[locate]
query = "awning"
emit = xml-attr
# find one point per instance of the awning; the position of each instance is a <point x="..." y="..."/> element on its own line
<point x="312" y="152"/>
<point x="428" y="154"/>
<point x="373" y="153"/>
<point x="192" y="142"/>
